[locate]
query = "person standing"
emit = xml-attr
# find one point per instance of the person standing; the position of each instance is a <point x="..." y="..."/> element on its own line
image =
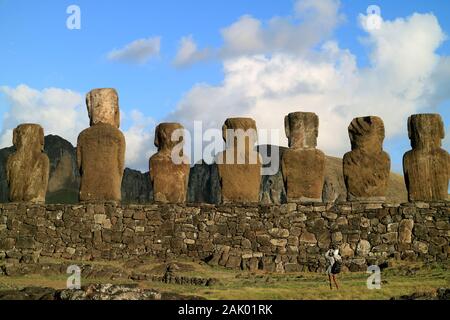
<point x="334" y="262"/>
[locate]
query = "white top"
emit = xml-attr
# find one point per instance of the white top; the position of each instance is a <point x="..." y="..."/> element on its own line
<point x="331" y="256"/>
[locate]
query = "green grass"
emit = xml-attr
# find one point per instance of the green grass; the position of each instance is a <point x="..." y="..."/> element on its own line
<point x="396" y="281"/>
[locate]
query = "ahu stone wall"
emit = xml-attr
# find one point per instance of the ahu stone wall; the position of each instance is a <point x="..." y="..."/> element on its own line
<point x="280" y="238"/>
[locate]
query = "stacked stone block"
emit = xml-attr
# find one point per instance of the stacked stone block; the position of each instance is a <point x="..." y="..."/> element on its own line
<point x="282" y="238"/>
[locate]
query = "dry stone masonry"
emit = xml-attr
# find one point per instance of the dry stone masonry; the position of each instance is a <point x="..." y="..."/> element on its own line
<point x="302" y="165"/>
<point x="169" y="179"/>
<point x="367" y="166"/>
<point x="279" y="238"/>
<point x="101" y="148"/>
<point x="27" y="169"/>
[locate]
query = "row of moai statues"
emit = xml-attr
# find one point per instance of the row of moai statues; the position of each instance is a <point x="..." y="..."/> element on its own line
<point x="366" y="168"/>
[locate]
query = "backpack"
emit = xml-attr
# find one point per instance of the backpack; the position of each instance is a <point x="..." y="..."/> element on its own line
<point x="336" y="268"/>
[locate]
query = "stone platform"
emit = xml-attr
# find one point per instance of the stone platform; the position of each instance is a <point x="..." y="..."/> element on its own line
<point x="276" y="238"/>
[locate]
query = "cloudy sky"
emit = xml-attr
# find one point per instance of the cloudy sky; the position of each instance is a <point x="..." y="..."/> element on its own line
<point x="204" y="60"/>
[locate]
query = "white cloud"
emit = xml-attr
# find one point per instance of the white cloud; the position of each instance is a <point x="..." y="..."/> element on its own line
<point x="58" y="111"/>
<point x="63" y="112"/>
<point x="140" y="141"/>
<point x="139" y="51"/>
<point x="243" y="37"/>
<point x="312" y="21"/>
<point x="405" y="77"/>
<point x="188" y="52"/>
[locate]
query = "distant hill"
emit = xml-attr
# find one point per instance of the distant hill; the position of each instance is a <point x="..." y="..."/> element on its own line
<point x="203" y="182"/>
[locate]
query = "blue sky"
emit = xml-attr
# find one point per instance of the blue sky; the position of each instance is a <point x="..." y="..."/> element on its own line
<point x="39" y="52"/>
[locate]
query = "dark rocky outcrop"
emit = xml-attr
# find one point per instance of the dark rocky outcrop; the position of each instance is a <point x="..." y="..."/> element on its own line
<point x="204" y="184"/>
<point x="92" y="292"/>
<point x="64" y="181"/>
<point x="4" y="190"/>
<point x="136" y="187"/>
<point x="439" y="294"/>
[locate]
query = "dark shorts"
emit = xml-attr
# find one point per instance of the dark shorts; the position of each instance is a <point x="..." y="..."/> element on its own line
<point x="336" y="268"/>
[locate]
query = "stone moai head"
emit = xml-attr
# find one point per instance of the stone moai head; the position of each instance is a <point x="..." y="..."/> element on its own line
<point x="426" y="131"/>
<point x="367" y="133"/>
<point x="235" y="128"/>
<point x="302" y="129"/>
<point x="163" y="136"/>
<point x="103" y="107"/>
<point x="29" y="137"/>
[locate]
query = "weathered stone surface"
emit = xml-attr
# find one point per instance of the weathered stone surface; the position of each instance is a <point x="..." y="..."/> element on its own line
<point x="103" y="107"/>
<point x="367" y="166"/>
<point x="336" y="237"/>
<point x="239" y="165"/>
<point x="204" y="185"/>
<point x="101" y="149"/>
<point x="245" y="236"/>
<point x="27" y="170"/>
<point x="405" y="230"/>
<point x="272" y="186"/>
<point x="64" y="177"/>
<point x="346" y="250"/>
<point x="136" y="187"/>
<point x="439" y="294"/>
<point x="427" y="166"/>
<point x="363" y="248"/>
<point x="302" y="165"/>
<point x="390" y="237"/>
<point x="421" y="247"/>
<point x="279" y="242"/>
<point x="279" y="233"/>
<point x="308" y="238"/>
<point x="92" y="292"/>
<point x="169" y="167"/>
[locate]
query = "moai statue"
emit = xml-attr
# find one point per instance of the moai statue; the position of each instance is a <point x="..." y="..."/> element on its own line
<point x="27" y="169"/>
<point x="101" y="148"/>
<point x="427" y="166"/>
<point x="240" y="164"/>
<point x="367" y="167"/>
<point x="302" y="165"/>
<point x="169" y="167"/>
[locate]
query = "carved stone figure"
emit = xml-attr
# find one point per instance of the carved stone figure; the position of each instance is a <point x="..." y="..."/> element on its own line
<point x="169" y="167"/>
<point x="101" y="148"/>
<point x="239" y="165"/>
<point x="427" y="166"/>
<point x="302" y="165"/>
<point x="367" y="166"/>
<point x="27" y="169"/>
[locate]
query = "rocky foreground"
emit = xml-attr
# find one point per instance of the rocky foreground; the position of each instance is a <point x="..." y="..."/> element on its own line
<point x="93" y="292"/>
<point x="132" y="292"/>
<point x="439" y="294"/>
